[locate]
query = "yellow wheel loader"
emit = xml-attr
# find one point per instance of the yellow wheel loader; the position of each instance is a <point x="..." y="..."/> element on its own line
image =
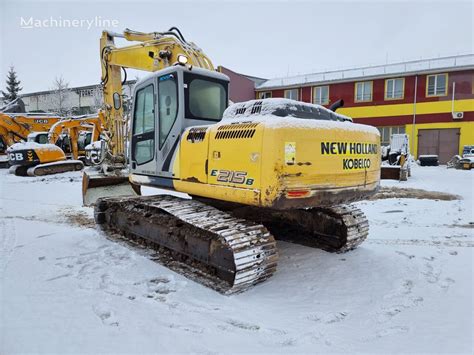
<point x="255" y="171"/>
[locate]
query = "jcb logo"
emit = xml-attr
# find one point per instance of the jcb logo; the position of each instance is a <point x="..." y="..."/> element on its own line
<point x="16" y="156"/>
<point x="43" y="121"/>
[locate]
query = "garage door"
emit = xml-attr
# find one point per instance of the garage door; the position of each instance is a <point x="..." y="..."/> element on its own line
<point x="441" y="142"/>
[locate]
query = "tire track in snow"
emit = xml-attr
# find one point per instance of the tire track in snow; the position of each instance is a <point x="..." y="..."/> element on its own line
<point x="8" y="243"/>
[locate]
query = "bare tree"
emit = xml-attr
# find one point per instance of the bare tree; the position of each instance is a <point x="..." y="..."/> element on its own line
<point x="60" y="97"/>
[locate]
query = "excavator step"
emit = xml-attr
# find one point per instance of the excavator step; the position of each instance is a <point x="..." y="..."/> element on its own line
<point x="223" y="252"/>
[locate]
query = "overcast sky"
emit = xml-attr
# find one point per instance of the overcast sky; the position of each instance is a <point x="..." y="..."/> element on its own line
<point x="261" y="38"/>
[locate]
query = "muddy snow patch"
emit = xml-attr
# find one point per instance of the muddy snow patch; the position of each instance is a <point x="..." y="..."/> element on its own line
<point x="78" y="218"/>
<point x="396" y="192"/>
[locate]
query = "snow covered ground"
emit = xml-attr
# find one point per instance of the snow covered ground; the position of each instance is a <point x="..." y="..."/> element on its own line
<point x="65" y="288"/>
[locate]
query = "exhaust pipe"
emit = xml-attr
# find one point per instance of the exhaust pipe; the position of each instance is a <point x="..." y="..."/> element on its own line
<point x="339" y="103"/>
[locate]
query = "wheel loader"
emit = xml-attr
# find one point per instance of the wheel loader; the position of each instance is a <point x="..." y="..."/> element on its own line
<point x="254" y="171"/>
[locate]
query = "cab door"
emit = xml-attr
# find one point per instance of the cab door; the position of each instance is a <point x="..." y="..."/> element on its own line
<point x="143" y="131"/>
<point x="169" y="126"/>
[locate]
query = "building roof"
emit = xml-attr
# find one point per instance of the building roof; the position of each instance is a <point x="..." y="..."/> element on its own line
<point x="451" y="63"/>
<point x="76" y="88"/>
<point x="257" y="80"/>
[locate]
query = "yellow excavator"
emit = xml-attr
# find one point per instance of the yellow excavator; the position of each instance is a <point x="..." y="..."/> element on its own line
<point x="255" y="171"/>
<point x="16" y="126"/>
<point x="40" y="154"/>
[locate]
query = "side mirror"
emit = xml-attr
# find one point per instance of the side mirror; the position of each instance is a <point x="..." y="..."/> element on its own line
<point x="117" y="101"/>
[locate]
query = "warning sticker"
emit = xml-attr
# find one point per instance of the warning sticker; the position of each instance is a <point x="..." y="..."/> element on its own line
<point x="290" y="153"/>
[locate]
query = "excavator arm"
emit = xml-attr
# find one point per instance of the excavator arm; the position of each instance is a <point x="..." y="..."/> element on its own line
<point x="11" y="130"/>
<point x="155" y="51"/>
<point x="73" y="126"/>
<point x="15" y="128"/>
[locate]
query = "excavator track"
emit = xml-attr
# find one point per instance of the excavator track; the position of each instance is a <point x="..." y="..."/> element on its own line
<point x="226" y="253"/>
<point x="55" y="168"/>
<point x="334" y="229"/>
<point x="47" y="169"/>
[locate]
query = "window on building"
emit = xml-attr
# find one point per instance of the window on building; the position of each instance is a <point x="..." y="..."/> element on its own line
<point x="363" y="91"/>
<point x="437" y="85"/>
<point x="321" y="95"/>
<point x="394" y="89"/>
<point x="265" y="95"/>
<point x="291" y="94"/>
<point x="86" y="92"/>
<point x="387" y="131"/>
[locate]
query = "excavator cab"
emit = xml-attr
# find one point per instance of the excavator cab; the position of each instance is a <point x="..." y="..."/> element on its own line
<point x="84" y="139"/>
<point x="38" y="137"/>
<point x="165" y="104"/>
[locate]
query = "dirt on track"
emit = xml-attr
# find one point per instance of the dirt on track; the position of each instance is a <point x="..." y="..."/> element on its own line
<point x="396" y="192"/>
<point x="79" y="218"/>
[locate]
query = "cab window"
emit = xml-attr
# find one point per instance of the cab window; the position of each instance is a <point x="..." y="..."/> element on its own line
<point x="168" y="104"/>
<point x="143" y="139"/>
<point x="144" y="117"/>
<point x="43" y="139"/>
<point x="206" y="98"/>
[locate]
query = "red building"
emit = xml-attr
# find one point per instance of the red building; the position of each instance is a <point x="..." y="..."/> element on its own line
<point x="430" y="100"/>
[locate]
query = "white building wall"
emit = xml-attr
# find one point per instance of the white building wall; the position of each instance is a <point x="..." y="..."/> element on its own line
<point x="77" y="98"/>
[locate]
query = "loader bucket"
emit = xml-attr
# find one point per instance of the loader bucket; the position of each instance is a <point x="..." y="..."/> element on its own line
<point x="96" y="185"/>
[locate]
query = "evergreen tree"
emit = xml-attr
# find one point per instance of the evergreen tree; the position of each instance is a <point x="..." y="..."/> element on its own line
<point x="13" y="86"/>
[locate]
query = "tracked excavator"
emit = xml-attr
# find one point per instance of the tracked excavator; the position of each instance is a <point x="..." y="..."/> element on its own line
<point x="16" y="126"/>
<point x="38" y="158"/>
<point x="254" y="171"/>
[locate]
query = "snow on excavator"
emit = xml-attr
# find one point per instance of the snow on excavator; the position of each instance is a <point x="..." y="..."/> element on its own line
<point x="256" y="170"/>
<point x="42" y="154"/>
<point x="16" y="125"/>
<point x="396" y="158"/>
